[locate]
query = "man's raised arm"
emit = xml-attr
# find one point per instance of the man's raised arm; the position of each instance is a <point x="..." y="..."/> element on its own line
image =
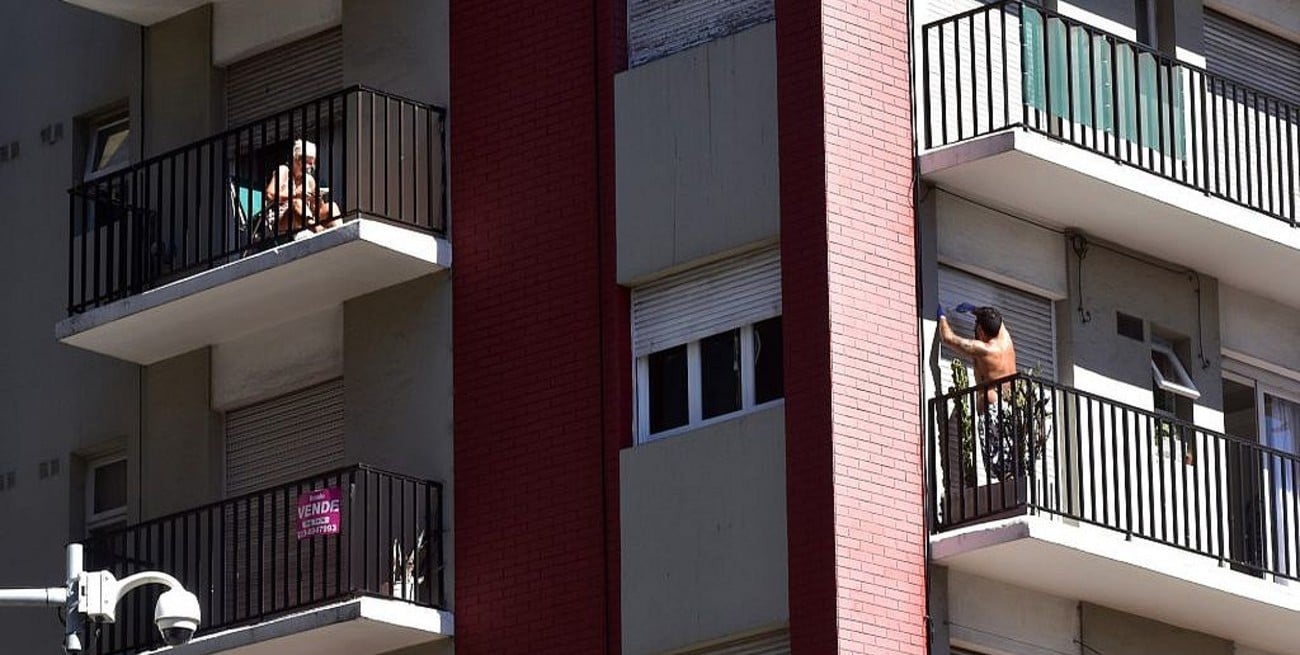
<point x="970" y="347"/>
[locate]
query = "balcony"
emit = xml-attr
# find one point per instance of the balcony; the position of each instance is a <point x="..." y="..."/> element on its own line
<point x="1043" y="116"/>
<point x="185" y="249"/>
<point x="1073" y="494"/>
<point x="365" y="579"/>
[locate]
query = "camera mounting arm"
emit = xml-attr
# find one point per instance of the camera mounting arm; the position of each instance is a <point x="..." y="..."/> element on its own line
<point x="94" y="595"/>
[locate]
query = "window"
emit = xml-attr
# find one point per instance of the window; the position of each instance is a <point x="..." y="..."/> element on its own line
<point x="107" y="147"/>
<point x="106" y="494"/>
<point x="707" y="342"/>
<point x="717" y="376"/>
<point x="1169" y="375"/>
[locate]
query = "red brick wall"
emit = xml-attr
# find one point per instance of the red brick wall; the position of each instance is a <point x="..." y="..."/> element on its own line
<point x="853" y="431"/>
<point x="536" y="485"/>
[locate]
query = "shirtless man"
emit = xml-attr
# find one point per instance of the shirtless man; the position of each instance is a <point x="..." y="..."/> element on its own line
<point x="994" y="357"/>
<point x="295" y="200"/>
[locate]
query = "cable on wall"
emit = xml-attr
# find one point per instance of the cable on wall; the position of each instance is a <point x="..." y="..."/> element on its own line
<point x="1079" y="244"/>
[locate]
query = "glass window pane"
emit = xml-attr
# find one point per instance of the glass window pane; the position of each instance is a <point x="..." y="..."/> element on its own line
<point x="110" y="486"/>
<point x="110" y="146"/>
<point x="668" y="403"/>
<point x="720" y="373"/>
<point x="768" y="367"/>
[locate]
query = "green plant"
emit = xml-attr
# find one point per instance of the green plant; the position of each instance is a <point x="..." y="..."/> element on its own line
<point x="965" y="419"/>
<point x="1027" y="422"/>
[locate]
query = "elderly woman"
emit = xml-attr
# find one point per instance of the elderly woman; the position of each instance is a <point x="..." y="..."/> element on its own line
<point x="295" y="201"/>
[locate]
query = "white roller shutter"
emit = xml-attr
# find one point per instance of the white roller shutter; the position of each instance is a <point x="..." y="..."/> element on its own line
<point x="706" y="300"/>
<point x="285" y="438"/>
<point x="769" y="643"/>
<point x="656" y="28"/>
<point x="1028" y="317"/>
<point x="287" y="76"/>
<point x="1247" y="54"/>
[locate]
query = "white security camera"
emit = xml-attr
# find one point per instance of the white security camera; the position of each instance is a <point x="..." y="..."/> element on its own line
<point x="177" y="616"/>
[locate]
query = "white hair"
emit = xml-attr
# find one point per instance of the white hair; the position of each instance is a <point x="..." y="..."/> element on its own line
<point x="303" y="148"/>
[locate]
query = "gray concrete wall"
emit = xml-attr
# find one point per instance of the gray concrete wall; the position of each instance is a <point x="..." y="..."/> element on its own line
<point x="61" y="62"/>
<point x="703" y="533"/>
<point x="178" y="461"/>
<point x="397" y="386"/>
<point x="398" y="46"/>
<point x="183" y="92"/>
<point x="1108" y="631"/>
<point x="696" y="153"/>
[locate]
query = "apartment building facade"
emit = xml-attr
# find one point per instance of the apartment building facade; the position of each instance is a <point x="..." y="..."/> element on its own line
<point x="612" y="329"/>
<point x="1119" y="178"/>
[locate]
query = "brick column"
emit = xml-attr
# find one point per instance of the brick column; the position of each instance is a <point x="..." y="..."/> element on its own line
<point x="541" y="354"/>
<point x="853" y="425"/>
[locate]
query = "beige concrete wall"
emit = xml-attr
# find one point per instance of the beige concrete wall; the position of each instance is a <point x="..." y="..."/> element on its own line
<point x="1165" y="296"/>
<point x="294" y="355"/>
<point x="1279" y="16"/>
<point x="182" y="100"/>
<point x="61" y="62"/>
<point x="1117" y="633"/>
<point x="177" y="464"/>
<point x="991" y="615"/>
<point x="696" y="153"/>
<point x="398" y="46"/>
<point x="999" y="247"/>
<point x="243" y="28"/>
<point x="703" y="534"/>
<point x="1260" y="328"/>
<point x="397" y="387"/>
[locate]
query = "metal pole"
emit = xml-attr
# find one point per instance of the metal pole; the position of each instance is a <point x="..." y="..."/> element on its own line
<point x="72" y="622"/>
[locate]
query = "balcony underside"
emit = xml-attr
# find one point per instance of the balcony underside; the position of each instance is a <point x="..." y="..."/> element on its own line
<point x="361" y="626"/>
<point x="257" y="292"/>
<point x="1058" y="184"/>
<point x="1100" y="566"/>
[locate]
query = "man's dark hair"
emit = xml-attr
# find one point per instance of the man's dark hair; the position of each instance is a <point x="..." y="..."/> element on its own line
<point x="989" y="320"/>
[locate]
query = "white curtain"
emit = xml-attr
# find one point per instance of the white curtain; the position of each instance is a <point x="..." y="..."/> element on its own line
<point x="1281" y="424"/>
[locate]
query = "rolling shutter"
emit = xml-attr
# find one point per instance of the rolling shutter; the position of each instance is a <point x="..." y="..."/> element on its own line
<point x="706" y="300"/>
<point x="285" y="438"/>
<point x="1247" y="54"/>
<point x="657" y="28"/>
<point x="768" y="643"/>
<point x="1029" y="318"/>
<point x="284" y="77"/>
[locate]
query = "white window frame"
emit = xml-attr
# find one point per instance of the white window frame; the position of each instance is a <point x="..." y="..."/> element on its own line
<point x="694" y="388"/>
<point x="1183" y="386"/>
<point x="98" y="127"/>
<point x="98" y="520"/>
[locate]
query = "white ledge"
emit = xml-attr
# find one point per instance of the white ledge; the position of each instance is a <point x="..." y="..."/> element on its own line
<point x="257" y="292"/>
<point x="359" y="626"/>
<point x="1085" y="562"/>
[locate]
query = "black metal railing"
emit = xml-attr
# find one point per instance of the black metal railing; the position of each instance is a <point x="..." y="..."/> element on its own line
<point x="1044" y="447"/>
<point x="1014" y="64"/>
<point x="251" y="558"/>
<point x="234" y="194"/>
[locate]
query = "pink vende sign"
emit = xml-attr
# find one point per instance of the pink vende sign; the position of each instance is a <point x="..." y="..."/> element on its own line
<point x="318" y="512"/>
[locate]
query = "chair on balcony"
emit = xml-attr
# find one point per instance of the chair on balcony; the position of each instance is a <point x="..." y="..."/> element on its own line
<point x="249" y="214"/>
